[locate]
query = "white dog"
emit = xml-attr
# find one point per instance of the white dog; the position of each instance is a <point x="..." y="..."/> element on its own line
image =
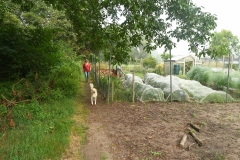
<point x="93" y="94"/>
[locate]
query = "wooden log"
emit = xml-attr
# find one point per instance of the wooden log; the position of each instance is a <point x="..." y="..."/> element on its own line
<point x="200" y="143"/>
<point x="184" y="138"/>
<point x="195" y="127"/>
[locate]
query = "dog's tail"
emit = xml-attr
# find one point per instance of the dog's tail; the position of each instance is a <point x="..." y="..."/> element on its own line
<point x="91" y="85"/>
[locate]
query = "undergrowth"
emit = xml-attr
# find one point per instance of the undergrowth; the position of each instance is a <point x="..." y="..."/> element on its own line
<point x="36" y="114"/>
<point x="117" y="91"/>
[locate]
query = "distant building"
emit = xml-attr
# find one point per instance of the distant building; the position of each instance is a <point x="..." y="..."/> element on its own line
<point x="181" y="64"/>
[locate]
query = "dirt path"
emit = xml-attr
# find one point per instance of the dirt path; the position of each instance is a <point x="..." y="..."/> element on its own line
<point x="98" y="144"/>
<point x="95" y="144"/>
<point x="153" y="131"/>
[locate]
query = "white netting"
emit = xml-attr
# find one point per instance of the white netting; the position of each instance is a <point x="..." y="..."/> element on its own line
<point x="128" y="80"/>
<point x="146" y="93"/>
<point x="158" y="81"/>
<point x="202" y="93"/>
<point x="157" y="88"/>
<point x="143" y="92"/>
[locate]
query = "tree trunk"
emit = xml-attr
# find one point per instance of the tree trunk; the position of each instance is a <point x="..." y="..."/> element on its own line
<point x="223" y="62"/>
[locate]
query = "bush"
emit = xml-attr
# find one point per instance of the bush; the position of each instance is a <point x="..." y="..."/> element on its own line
<point x="149" y="62"/>
<point x="235" y="80"/>
<point x="217" y="80"/>
<point x="159" y="69"/>
<point x="200" y="74"/>
<point x="66" y="78"/>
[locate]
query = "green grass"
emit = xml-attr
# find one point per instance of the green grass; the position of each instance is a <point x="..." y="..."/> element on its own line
<point x="44" y="136"/>
<point x="41" y="131"/>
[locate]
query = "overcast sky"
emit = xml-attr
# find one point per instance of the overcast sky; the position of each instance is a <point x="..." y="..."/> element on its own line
<point x="227" y="12"/>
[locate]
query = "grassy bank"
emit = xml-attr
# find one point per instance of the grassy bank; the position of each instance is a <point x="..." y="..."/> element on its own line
<point x="42" y="131"/>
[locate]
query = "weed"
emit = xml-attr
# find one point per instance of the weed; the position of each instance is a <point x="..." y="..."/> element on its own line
<point x="219" y="157"/>
<point x="103" y="156"/>
<point x="154" y="153"/>
<point x="194" y="115"/>
<point x="203" y="123"/>
<point x="230" y="117"/>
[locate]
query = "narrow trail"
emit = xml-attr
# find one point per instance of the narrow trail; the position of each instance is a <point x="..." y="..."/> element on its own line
<point x="93" y="144"/>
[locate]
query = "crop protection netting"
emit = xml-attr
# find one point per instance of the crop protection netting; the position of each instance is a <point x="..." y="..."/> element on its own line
<point x="143" y="92"/>
<point x="154" y="87"/>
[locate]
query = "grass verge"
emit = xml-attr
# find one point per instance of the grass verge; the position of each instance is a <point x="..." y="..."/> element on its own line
<point x="42" y="131"/>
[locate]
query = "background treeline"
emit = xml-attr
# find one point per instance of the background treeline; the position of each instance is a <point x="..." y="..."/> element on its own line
<point x="39" y="46"/>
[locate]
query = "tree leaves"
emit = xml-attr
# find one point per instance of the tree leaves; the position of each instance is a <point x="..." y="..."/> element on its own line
<point x="224" y="43"/>
<point x="158" y="21"/>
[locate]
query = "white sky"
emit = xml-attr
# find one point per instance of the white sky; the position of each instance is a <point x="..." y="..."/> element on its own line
<point x="227" y="12"/>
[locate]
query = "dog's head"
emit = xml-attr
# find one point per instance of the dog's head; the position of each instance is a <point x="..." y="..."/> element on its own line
<point x="91" y="85"/>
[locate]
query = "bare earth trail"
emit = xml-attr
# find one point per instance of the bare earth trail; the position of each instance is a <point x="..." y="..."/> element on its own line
<point x="98" y="144"/>
<point x="152" y="131"/>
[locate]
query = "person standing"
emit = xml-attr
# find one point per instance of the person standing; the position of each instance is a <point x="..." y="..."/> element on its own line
<point x="86" y="69"/>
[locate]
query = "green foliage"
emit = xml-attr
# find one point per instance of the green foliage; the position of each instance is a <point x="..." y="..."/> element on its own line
<point x="121" y="93"/>
<point x="41" y="131"/>
<point x="34" y="40"/>
<point x="200" y="74"/>
<point x="25" y="50"/>
<point x="212" y="79"/>
<point x="165" y="56"/>
<point x="149" y="62"/>
<point x="193" y="24"/>
<point x="159" y="69"/>
<point x="66" y="78"/>
<point x="224" y="43"/>
<point x="234" y="80"/>
<point x="218" y="80"/>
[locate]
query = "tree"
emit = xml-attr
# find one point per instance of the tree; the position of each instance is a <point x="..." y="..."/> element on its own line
<point x="153" y="20"/>
<point x="149" y="62"/>
<point x="223" y="44"/>
<point x="30" y="41"/>
<point x="165" y="56"/>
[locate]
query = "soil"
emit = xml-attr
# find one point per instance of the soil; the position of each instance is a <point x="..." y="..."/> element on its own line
<point x="152" y="131"/>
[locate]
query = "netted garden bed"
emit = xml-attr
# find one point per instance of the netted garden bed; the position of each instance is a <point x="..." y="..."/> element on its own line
<point x="157" y="88"/>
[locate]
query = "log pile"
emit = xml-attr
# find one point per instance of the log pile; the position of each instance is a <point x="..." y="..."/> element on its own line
<point x="192" y="130"/>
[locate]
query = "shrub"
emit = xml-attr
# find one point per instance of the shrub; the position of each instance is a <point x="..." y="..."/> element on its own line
<point x="66" y="78"/>
<point x="217" y="80"/>
<point x="200" y="74"/>
<point x="159" y="69"/>
<point x="149" y="62"/>
<point x="235" y="80"/>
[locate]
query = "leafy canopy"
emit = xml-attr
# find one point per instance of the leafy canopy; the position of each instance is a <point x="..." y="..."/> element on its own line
<point x="123" y="24"/>
<point x="224" y="43"/>
<point x="166" y="56"/>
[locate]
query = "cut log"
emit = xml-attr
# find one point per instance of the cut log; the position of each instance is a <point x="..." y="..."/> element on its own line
<point x="200" y="143"/>
<point x="195" y="127"/>
<point x="184" y="138"/>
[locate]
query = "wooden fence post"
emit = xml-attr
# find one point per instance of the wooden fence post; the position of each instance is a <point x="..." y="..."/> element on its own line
<point x="133" y="87"/>
<point x="112" y="90"/>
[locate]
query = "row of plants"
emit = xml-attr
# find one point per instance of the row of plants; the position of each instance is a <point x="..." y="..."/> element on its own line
<point x="214" y="79"/>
